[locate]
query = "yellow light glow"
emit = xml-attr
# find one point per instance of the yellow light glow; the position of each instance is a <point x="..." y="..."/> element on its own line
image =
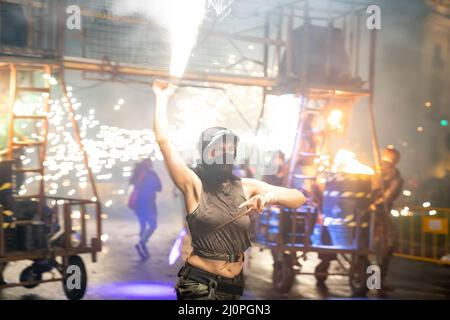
<point x="335" y="119"/>
<point x="345" y="161"/>
<point x="406" y="193"/>
<point x="394" y="213"/>
<point x="426" y="204"/>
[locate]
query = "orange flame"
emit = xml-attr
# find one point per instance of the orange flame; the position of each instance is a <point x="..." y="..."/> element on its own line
<point x="345" y="161"/>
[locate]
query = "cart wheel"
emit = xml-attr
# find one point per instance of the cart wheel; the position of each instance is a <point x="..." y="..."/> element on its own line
<point x="321" y="272"/>
<point x="283" y="273"/>
<point x="28" y="274"/>
<point x="358" y="275"/>
<point x="77" y="292"/>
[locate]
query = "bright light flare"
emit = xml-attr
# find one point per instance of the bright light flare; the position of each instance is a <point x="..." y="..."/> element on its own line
<point x="345" y="161"/>
<point x="185" y="19"/>
<point x="406" y="193"/>
<point x="405" y="212"/>
<point x="175" y="252"/>
<point x="395" y="213"/>
<point x="335" y="119"/>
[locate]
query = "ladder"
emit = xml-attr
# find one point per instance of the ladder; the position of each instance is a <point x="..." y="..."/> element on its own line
<point x="38" y="142"/>
<point x="303" y="131"/>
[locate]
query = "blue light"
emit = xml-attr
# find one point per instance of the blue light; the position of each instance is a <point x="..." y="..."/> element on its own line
<point x="175" y="252"/>
<point x="136" y="291"/>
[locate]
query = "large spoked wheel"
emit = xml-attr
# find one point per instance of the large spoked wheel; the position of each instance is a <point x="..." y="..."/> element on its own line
<point x="283" y="272"/>
<point x="75" y="278"/>
<point x="358" y="275"/>
<point x="321" y="272"/>
<point x="28" y="274"/>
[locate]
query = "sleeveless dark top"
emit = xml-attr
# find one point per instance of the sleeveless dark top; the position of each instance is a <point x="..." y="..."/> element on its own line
<point x="215" y="208"/>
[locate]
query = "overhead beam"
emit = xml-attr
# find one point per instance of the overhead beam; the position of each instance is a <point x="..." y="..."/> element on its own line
<point x="98" y="66"/>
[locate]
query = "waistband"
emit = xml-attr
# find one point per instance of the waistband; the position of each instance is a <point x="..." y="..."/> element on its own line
<point x="218" y="283"/>
<point x="218" y="256"/>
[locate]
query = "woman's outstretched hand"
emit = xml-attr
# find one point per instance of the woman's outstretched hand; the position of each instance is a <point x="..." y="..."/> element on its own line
<point x="163" y="89"/>
<point x="258" y="202"/>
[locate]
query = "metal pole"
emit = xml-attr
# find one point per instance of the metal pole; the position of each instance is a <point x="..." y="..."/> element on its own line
<point x="411" y="235"/>
<point x="2" y="235"/>
<point x="266" y="46"/>
<point x="76" y="128"/>
<point x="60" y="22"/>
<point x="304" y="90"/>
<point x="12" y="101"/>
<point x="83" y="225"/>
<point x="289" y="53"/>
<point x="375" y="144"/>
<point x="260" y="118"/>
<point x="67" y="226"/>
<point x="43" y="146"/>
<point x="297" y="143"/>
<point x="264" y="93"/>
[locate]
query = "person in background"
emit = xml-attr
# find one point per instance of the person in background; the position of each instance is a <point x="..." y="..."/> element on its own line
<point x="146" y="184"/>
<point x="382" y="203"/>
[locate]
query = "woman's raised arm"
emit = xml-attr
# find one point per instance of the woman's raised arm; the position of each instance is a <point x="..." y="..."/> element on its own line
<point x="181" y="175"/>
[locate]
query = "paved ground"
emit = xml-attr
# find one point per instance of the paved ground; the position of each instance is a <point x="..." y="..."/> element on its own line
<point x="119" y="274"/>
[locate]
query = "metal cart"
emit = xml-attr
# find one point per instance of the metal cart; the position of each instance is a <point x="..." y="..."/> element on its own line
<point x="47" y="234"/>
<point x="292" y="234"/>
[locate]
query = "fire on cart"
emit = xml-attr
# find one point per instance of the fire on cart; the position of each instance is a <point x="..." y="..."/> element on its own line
<point x="336" y="222"/>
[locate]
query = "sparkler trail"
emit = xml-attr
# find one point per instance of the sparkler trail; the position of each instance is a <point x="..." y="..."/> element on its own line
<point x="111" y="150"/>
<point x="184" y="23"/>
<point x="181" y="18"/>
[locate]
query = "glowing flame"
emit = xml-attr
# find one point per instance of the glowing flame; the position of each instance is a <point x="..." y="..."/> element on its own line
<point x="185" y="20"/>
<point x="335" y="119"/>
<point x="345" y="161"/>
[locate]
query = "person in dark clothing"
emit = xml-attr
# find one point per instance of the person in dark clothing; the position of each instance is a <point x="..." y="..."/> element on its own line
<point x="382" y="203"/>
<point x="146" y="183"/>
<point x="218" y="205"/>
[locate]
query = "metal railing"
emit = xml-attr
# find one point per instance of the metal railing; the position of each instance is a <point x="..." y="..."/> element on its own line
<point x="422" y="233"/>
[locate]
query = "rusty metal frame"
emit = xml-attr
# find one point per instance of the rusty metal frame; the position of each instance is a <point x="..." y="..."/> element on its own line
<point x="50" y="253"/>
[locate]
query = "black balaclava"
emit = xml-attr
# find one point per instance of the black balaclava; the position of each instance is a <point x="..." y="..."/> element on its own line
<point x="214" y="171"/>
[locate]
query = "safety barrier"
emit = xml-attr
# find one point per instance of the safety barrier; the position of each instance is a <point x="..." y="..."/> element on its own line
<point x="422" y="233"/>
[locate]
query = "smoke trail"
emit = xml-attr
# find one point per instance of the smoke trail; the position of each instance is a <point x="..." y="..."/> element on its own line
<point x="184" y="25"/>
<point x="180" y="17"/>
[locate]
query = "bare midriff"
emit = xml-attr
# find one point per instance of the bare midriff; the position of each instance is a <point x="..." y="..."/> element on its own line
<point x="220" y="268"/>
